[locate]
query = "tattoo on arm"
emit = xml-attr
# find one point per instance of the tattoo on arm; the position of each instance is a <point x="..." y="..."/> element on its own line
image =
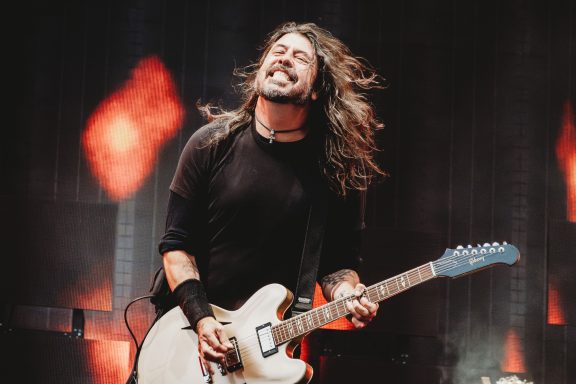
<point x="338" y="277"/>
<point x="330" y="282"/>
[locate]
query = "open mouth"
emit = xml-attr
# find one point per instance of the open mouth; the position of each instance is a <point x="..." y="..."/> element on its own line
<point x="281" y="74"/>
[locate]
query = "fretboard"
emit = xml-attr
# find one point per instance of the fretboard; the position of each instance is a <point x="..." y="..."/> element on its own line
<point x="317" y="317"/>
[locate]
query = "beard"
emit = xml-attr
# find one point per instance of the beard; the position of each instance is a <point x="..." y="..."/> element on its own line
<point x="298" y="95"/>
<point x="280" y="96"/>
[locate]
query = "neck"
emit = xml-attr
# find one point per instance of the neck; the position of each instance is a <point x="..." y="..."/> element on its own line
<point x="282" y="117"/>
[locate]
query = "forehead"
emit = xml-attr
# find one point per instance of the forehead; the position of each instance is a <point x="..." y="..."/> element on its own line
<point x="297" y="41"/>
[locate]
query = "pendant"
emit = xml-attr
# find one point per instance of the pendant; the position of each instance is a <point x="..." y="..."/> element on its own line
<point x="272" y="136"/>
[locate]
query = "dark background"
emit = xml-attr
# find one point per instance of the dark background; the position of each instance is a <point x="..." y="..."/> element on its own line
<point x="475" y="97"/>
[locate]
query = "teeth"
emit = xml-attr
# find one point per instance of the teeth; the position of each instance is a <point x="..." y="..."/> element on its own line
<point x="280" y="75"/>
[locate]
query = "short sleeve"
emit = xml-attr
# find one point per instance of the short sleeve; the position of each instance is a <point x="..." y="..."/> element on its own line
<point x="186" y="211"/>
<point x="192" y="171"/>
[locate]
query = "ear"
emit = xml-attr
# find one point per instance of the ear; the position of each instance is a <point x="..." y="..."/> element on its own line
<point x="314" y="96"/>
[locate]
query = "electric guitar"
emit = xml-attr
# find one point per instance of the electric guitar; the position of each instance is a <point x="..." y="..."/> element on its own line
<point x="263" y="342"/>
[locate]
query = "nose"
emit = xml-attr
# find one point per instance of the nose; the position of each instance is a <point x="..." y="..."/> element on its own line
<point x="285" y="59"/>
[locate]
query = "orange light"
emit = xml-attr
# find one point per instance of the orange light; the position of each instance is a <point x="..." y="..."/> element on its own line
<point x="513" y="361"/>
<point x="95" y="296"/>
<point x="555" y="310"/>
<point x="566" y="154"/>
<point x="108" y="361"/>
<point x="340" y="324"/>
<point x="127" y="130"/>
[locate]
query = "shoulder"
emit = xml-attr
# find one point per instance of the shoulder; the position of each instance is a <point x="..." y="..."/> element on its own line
<point x="211" y="143"/>
<point x="205" y="134"/>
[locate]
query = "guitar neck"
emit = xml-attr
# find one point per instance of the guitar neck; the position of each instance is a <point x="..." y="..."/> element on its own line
<point x="327" y="313"/>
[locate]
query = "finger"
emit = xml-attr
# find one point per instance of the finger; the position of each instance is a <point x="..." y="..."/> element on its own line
<point x="213" y="341"/>
<point x="358" y="324"/>
<point x="372" y="307"/>
<point x="352" y="308"/>
<point x="205" y="362"/>
<point x="211" y="354"/>
<point x="360" y="309"/>
<point x="359" y="289"/>
<point x="223" y="338"/>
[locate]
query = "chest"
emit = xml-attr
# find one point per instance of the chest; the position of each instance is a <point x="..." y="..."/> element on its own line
<point x="251" y="182"/>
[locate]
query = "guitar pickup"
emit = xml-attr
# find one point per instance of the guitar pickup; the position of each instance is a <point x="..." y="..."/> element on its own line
<point x="233" y="359"/>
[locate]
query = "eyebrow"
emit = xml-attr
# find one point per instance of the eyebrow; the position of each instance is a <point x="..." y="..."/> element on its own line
<point x="296" y="50"/>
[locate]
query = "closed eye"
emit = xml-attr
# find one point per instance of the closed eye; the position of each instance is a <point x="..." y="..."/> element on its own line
<point x="303" y="59"/>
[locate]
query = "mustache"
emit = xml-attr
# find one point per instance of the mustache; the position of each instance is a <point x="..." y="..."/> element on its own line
<point x="289" y="71"/>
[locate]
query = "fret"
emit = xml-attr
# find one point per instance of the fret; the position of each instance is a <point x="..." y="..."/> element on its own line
<point x="327" y="314"/>
<point x="308" y="318"/>
<point x="317" y="321"/>
<point x="431" y="267"/>
<point x="290" y="329"/>
<point x="344" y="309"/>
<point x="370" y="295"/>
<point x="317" y="317"/>
<point x="388" y="287"/>
<point x="403" y="281"/>
<point x="299" y="325"/>
<point x="413" y="278"/>
<point x="320" y="317"/>
<point x="380" y="290"/>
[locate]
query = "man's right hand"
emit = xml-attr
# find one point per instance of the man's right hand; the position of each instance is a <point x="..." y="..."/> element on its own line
<point x="212" y="342"/>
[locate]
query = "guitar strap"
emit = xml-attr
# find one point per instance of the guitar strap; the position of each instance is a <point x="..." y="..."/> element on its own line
<point x="306" y="283"/>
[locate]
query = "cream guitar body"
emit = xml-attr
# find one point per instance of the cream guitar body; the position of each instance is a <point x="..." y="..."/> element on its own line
<point x="169" y="353"/>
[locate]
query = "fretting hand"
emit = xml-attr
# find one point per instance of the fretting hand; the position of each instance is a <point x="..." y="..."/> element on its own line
<point x="362" y="310"/>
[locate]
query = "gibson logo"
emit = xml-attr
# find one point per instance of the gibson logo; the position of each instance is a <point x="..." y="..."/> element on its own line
<point x="475" y="259"/>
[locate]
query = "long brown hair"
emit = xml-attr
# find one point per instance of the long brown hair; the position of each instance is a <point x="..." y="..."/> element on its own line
<point x="342" y="111"/>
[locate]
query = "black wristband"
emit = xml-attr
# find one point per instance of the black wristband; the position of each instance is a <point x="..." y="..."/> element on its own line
<point x="191" y="298"/>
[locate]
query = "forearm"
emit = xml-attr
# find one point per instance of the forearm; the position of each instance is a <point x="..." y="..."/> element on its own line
<point x="179" y="266"/>
<point x="344" y="280"/>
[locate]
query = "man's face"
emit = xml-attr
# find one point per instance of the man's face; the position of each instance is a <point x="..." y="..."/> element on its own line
<point x="288" y="72"/>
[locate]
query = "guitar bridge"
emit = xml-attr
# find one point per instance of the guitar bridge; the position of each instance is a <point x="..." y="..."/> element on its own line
<point x="233" y="359"/>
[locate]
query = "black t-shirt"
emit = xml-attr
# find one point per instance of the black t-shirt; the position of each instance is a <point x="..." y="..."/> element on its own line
<point x="241" y="207"/>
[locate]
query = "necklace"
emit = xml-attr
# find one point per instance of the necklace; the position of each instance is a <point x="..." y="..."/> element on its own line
<point x="272" y="132"/>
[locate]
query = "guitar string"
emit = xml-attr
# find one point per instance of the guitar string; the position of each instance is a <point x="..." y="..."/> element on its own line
<point x="414" y="274"/>
<point x="283" y="326"/>
<point x="283" y="329"/>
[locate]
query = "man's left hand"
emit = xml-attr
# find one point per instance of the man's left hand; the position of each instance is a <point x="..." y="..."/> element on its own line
<point x="362" y="311"/>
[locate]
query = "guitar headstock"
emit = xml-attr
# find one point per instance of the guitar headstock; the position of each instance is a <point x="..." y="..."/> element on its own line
<point x="462" y="260"/>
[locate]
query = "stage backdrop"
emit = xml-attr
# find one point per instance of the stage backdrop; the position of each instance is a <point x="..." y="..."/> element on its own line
<point x="479" y="143"/>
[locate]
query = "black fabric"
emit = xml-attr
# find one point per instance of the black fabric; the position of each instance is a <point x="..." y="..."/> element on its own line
<point x="240" y="207"/>
<point x="310" y="259"/>
<point x="191" y="297"/>
<point x="162" y="297"/>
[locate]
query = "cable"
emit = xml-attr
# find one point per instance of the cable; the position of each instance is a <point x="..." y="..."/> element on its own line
<point x="126" y="317"/>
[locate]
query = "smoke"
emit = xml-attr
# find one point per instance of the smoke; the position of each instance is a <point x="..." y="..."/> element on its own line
<point x="474" y="355"/>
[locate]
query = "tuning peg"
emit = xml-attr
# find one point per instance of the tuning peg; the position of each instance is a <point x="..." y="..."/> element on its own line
<point x="495" y="244"/>
<point x="486" y="245"/>
<point x="459" y="247"/>
<point x="479" y="245"/>
<point x="504" y="243"/>
<point x="469" y="246"/>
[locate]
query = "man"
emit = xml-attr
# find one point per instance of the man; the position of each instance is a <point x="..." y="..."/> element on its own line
<point x="244" y="184"/>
